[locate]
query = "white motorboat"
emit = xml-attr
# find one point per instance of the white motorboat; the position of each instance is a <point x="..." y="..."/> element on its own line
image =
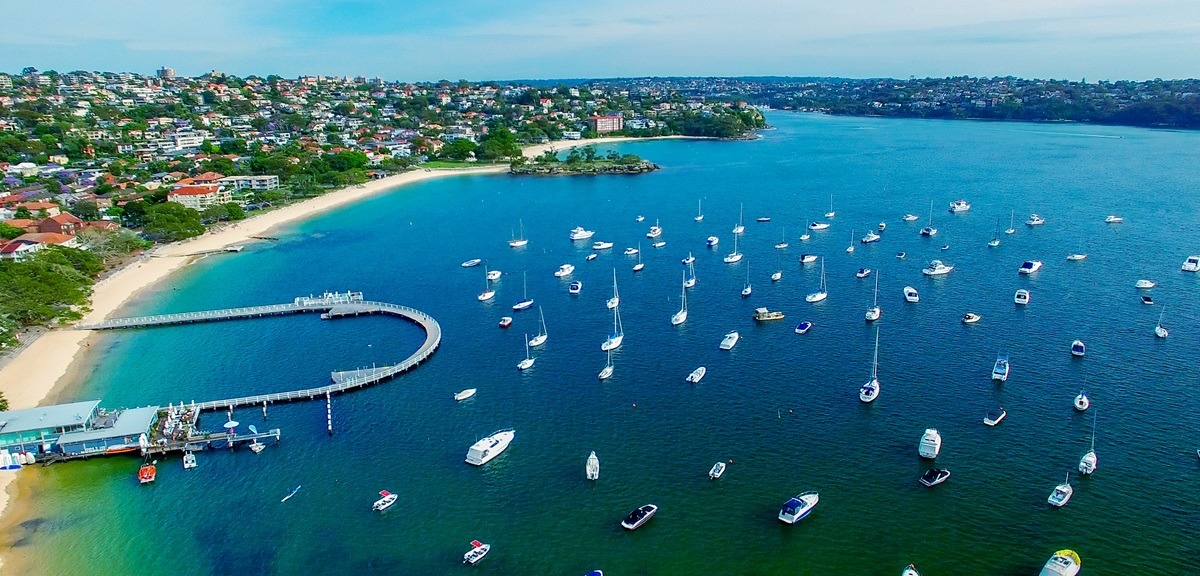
<point x="592" y="469"/>
<point x="1087" y="464"/>
<point x="492" y="275"/>
<point x="681" y="316"/>
<point x="601" y="245"/>
<point x="655" y="230"/>
<point x="1160" y="330"/>
<point x="777" y="275"/>
<point x="385" y="501"/>
<point x="945" y="247"/>
<point x="1063" y="563"/>
<point x="1062" y="493"/>
<point x="994" y="417"/>
<point x="689" y="259"/>
<point x="639" y="218"/>
<point x="748" y="289"/>
<point x="631" y="251"/>
<point x="971" y="318"/>
<point x="730" y="340"/>
<point x="638" y="517"/>
<point x="910" y="217"/>
<point x="712" y="241"/>
<point x="935" y="476"/>
<point x="505" y="321"/>
<point x="699" y="214"/>
<point x="739" y="227"/>
<point x="937" y="268"/>
<point x="471" y="262"/>
<point x="1035" y="220"/>
<point x="564" y="271"/>
<point x="808" y="258"/>
<point x="591" y="257"/>
<point x="850" y="248"/>
<point x="830" y="213"/>
<point x="575" y="288"/>
<point x="716" y="471"/>
<point x="1021" y="297"/>
<point x="1001" y="368"/>
<point x="959" y="206"/>
<point x="189" y="461"/>
<point x="734" y="256"/>
<point x="1113" y="219"/>
<point x="519" y="241"/>
<point x="1078" y="348"/>
<point x="476" y="553"/>
<point x="1012" y="214"/>
<point x="489" y="447"/>
<point x="870" y="391"/>
<point x="616" y="297"/>
<point x="1191" y="264"/>
<point x="901" y="255"/>
<point x="870" y="237"/>
<point x="874" y="311"/>
<point x="1076" y="257"/>
<point x="795" y="509"/>
<point x="618" y="334"/>
<point x="527" y="363"/>
<point x="910" y="570"/>
<point x="815" y="225"/>
<point x="862" y="273"/>
<point x="911" y="295"/>
<point x="803" y="327"/>
<point x="1145" y="284"/>
<point x="256" y="446"/>
<point x="607" y="371"/>
<point x="1030" y="266"/>
<point x="1082" y="402"/>
<point x="541" y="336"/>
<point x="697" y="375"/>
<point x="460" y="396"/>
<point x="821" y="292"/>
<point x="804" y="237"/>
<point x="658" y="244"/>
<point x="580" y="234"/>
<point x="690" y="280"/>
<point x="931" y="444"/>
<point x="526" y="301"/>
<point x="929" y="230"/>
<point x="882" y="226"/>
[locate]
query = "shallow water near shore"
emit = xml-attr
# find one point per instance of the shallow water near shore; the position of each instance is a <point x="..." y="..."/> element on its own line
<point x="782" y="407"/>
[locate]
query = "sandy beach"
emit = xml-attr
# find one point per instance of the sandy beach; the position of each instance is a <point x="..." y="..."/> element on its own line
<point x="46" y="365"/>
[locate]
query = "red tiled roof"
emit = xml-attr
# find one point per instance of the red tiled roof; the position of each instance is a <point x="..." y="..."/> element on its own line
<point x="43" y="238"/>
<point x="193" y="191"/>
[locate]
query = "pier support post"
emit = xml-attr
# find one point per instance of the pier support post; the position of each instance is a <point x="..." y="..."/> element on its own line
<point x="329" y="413"/>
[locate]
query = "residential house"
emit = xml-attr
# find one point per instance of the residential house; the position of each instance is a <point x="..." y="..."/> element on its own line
<point x="27" y="244"/>
<point x="200" y="197"/>
<point x="65" y="223"/>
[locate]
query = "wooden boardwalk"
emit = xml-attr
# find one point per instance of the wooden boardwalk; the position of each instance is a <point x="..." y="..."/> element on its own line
<point x="329" y="306"/>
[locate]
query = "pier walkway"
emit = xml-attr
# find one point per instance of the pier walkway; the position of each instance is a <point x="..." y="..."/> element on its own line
<point x="330" y="306"/>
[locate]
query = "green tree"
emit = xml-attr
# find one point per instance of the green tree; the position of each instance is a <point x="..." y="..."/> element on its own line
<point x="23" y="212"/>
<point x="171" y="221"/>
<point x="9" y="232"/>
<point x="458" y="149"/>
<point x="86" y="210"/>
<point x="500" y="144"/>
<point x="234" y="211"/>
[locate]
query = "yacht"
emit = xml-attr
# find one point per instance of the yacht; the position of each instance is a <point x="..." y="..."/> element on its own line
<point x="777" y="275"/>
<point x="519" y="241"/>
<point x="1078" y="349"/>
<point x="911" y="295"/>
<point x="1076" y="257"/>
<point x="690" y="280"/>
<point x="808" y="258"/>
<point x="471" y="262"/>
<point x="870" y="391"/>
<point x="929" y="230"/>
<point x="655" y="230"/>
<point x="804" y="237"/>
<point x="862" y="273"/>
<point x="795" y="509"/>
<point x="1088" y="463"/>
<point x="716" y="471"/>
<point x="607" y="371"/>
<point x="995" y="241"/>
<point x="618" y="334"/>
<point x="830" y="213"/>
<point x="699" y="214"/>
<point x="735" y="255"/>
<point x="616" y="297"/>
<point x="739" y="228"/>
<point x="1062" y="493"/>
<point x="936" y="268"/>
<point x="575" y="288"/>
<point x="505" y="321"/>
<point x="874" y="311"/>
<point x="1082" y="402"/>
<point x="804" y="327"/>
<point x="580" y="234"/>
<point x="765" y="315"/>
<point x="639" y="266"/>
<point x="592" y="469"/>
<point x="487" y="293"/>
<point x="1021" y="297"/>
<point x="747" y="290"/>
<point x="910" y="217"/>
<point x="477" y="552"/>
<point x="631" y="251"/>
<point x="1113" y="219"/>
<point x="730" y="340"/>
<point x="934" y="476"/>
<point x="1160" y="330"/>
<point x="783" y="243"/>
<point x="814" y="225"/>
<point x="527" y="363"/>
<point x="1030" y="266"/>
<point x="601" y="245"/>
<point x="712" y="241"/>
<point x="994" y="417"/>
<point x="460" y="396"/>
<point x="1012" y="214"/>
<point x="687" y="261"/>
<point x="1035" y="220"/>
<point x="697" y="375"/>
<point x="542" y="336"/>
<point x="870" y="237"/>
<point x="526" y="301"/>
<point x="591" y="257"/>
<point x="821" y="292"/>
<point x="1000" y="370"/>
<point x="1192" y="264"/>
<point x="959" y="206"/>
<point x="1145" y="284"/>
<point x="1063" y="563"/>
<point x="484" y="450"/>
<point x="681" y="316"/>
<point x="385" y="501"/>
<point x="189" y="461"/>
<point x="971" y="318"/>
<point x="850" y="248"/>
<point x="638" y="517"/>
<point x="564" y="270"/>
<point x="931" y="444"/>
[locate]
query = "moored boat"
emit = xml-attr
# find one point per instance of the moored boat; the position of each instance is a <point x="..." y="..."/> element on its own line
<point x="1001" y="368"/>
<point x="580" y="234"/>
<point x="639" y="517"/>
<point x="959" y="206"/>
<point x="472" y="262"/>
<point x="716" y="471"/>
<point x="147" y="473"/>
<point x="994" y="417"/>
<point x="1035" y="220"/>
<point x="601" y="245"/>
<point x="971" y="318"/>
<point x="505" y="321"/>
<point x="804" y="327"/>
<point x="931" y="444"/>
<point x="477" y="552"/>
<point x="189" y="461"/>
<point x="460" y="396"/>
<point x="575" y="287"/>
<point x="1113" y="219"/>
<point x="489" y="447"/>
<point x="730" y="340"/>
<point x="386" y="500"/>
<point x="764" y="315"/>
<point x="1030" y="266"/>
<point x="934" y="476"/>
<point x="1062" y="563"/>
<point x="1082" y="402"/>
<point x="1062" y="493"/>
<point x="712" y="241"/>
<point x="697" y="375"/>
<point x="591" y="470"/>
<point x="911" y="295"/>
<point x="1021" y="297"/>
<point x="564" y="270"/>
<point x="1191" y="264"/>
<point x="798" y="507"/>
<point x="937" y="268"/>
<point x="1078" y="348"/>
<point x="1144" y="284"/>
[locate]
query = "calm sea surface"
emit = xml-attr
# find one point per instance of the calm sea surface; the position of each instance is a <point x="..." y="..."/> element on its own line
<point x="782" y="408"/>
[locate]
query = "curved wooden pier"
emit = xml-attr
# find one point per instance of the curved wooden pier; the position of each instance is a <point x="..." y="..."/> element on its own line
<point x="329" y="306"/>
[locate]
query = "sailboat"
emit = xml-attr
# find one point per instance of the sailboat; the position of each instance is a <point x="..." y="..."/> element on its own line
<point x="820" y="294"/>
<point x="690" y="280"/>
<point x="1160" y="330"/>
<point x="618" y="334"/>
<point x="870" y="391"/>
<point x="747" y="290"/>
<point x="699" y="214"/>
<point x="929" y="230"/>
<point x="783" y="243"/>
<point x="638" y="267"/>
<point x="735" y="255"/>
<point x="616" y="298"/>
<point x="681" y="316"/>
<point x="1087" y="464"/>
<point x="519" y="241"/>
<point x="487" y="293"/>
<point x="526" y="302"/>
<point x="737" y="230"/>
<point x="1012" y="214"/>
<point x="541" y="337"/>
<point x="850" y="248"/>
<point x="593" y="467"/>
<point x="528" y="361"/>
<point x="607" y="372"/>
<point x="995" y="241"/>
<point x="830" y="213"/>
<point x="874" y="311"/>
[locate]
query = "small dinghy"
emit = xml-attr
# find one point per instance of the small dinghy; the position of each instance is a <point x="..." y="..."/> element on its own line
<point x="935" y="476"/>
<point x="862" y="273"/>
<point x="1147" y="300"/>
<point x="900" y="255"/>
<point x="971" y="318"/>
<point x="804" y="327"/>
<point x="717" y="470"/>
<point x="1078" y="349"/>
<point x="472" y="262"/>
<point x="994" y="417"/>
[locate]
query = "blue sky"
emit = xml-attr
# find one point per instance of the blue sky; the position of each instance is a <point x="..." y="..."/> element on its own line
<point x="480" y="40"/>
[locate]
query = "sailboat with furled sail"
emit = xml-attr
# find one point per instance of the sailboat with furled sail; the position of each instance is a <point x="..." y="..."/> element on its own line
<point x="618" y="334"/>
<point x="870" y="391"/>
<point x="681" y="316"/>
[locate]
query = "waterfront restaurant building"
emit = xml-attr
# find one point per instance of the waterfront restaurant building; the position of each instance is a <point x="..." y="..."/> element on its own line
<point x="37" y="429"/>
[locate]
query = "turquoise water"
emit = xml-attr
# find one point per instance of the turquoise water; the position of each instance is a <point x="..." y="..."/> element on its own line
<point x="782" y="407"/>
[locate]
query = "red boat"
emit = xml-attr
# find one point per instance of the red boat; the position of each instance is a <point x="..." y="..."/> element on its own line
<point x="147" y="473"/>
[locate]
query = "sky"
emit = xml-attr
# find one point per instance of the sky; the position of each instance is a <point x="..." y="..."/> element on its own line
<point x="424" y="40"/>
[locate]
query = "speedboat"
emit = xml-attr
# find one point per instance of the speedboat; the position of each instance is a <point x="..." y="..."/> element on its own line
<point x="189" y="461"/>
<point x="484" y="450"/>
<point x="713" y="241"/>
<point x="505" y="321"/>
<point x="689" y="259"/>
<point x="564" y="270"/>
<point x="460" y="396"/>
<point x="592" y="469"/>
<point x="1001" y="368"/>
<point x="601" y="245"/>
<point x="697" y="375"/>
<point x="900" y="255"/>
<point x="777" y="276"/>
<point x="639" y="516"/>
<point x="910" y="218"/>
<point x="492" y="275"/>
<point x="1062" y="563"/>
<point x="934" y="476"/>
<point x="730" y="340"/>
<point x="575" y="288"/>
<point x="1035" y="220"/>
<point x="971" y="318"/>
<point x="911" y="295"/>
<point x="631" y="251"/>
<point x="1021" y="297"/>
<point x="937" y="268"/>
<point x="795" y="509"/>
<point x="870" y="237"/>
<point x="639" y="218"/>
<point x="580" y="234"/>
<point x="818" y="225"/>
<point x="804" y="327"/>
<point x="477" y="552"/>
<point x="1113" y="219"/>
<point x="655" y="231"/>
<point x="385" y="502"/>
<point x="1147" y="300"/>
<point x="808" y="258"/>
<point x="862" y="273"/>
<point x="931" y="444"/>
<point x="1192" y="264"/>
<point x="804" y="237"/>
<point x="472" y="262"/>
<point x="1062" y="493"/>
<point x="910" y="570"/>
<point x="1145" y="284"/>
<point x="764" y="315"/>
<point x="658" y="244"/>
<point x="763" y="219"/>
<point x="716" y="471"/>
<point x="147" y="473"/>
<point x="591" y="257"/>
<point x="1082" y="402"/>
<point x="882" y="226"/>
<point x="1078" y="349"/>
<point x="1030" y="266"/>
<point x="959" y="206"/>
<point x="1076" y="257"/>
<point x="994" y="417"/>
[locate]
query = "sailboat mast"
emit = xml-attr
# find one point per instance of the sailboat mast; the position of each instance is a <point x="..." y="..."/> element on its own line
<point x="875" y="361"/>
<point x="877" y="303"/>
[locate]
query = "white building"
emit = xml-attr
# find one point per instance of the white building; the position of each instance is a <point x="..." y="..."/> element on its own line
<point x="264" y="182"/>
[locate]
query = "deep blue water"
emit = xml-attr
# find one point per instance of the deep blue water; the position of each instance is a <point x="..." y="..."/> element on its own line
<point x="782" y="407"/>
